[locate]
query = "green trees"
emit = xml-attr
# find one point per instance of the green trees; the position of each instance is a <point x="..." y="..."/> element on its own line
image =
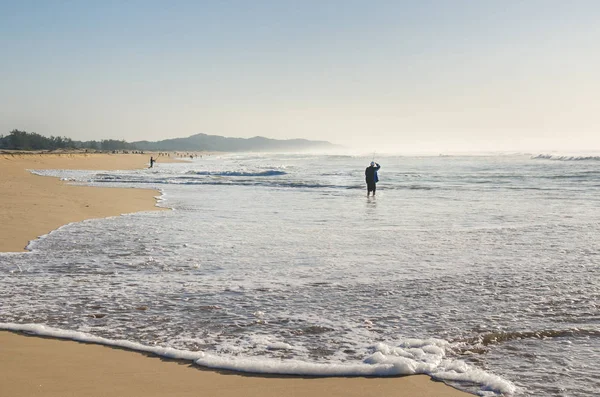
<point x="111" y="144"/>
<point x="22" y="140"/>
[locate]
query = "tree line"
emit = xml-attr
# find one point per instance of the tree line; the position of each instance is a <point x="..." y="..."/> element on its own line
<point x="22" y="140"/>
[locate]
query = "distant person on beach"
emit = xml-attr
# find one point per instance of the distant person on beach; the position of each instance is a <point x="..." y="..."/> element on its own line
<point x="152" y="161"/>
<point x="371" y="177"/>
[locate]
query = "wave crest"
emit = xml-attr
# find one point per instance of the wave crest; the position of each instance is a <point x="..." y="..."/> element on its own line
<point x="565" y="157"/>
<point x="238" y="173"/>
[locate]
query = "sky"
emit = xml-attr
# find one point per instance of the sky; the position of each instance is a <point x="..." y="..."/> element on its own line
<point x="445" y="75"/>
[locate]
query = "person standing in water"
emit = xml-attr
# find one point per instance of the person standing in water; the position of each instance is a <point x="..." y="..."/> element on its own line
<point x="152" y="161"/>
<point x="371" y="177"/>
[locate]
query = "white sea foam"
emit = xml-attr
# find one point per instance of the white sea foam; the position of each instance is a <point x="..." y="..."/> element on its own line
<point x="41" y="330"/>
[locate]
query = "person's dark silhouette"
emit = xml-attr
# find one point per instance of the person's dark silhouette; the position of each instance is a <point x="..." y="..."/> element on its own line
<point x="152" y="161"/>
<point x="371" y="177"/>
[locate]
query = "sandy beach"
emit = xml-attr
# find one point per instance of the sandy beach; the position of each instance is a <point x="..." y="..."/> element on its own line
<point x="31" y="206"/>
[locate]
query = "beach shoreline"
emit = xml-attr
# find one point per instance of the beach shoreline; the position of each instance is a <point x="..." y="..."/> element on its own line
<point x="33" y="205"/>
<point x="55" y="367"/>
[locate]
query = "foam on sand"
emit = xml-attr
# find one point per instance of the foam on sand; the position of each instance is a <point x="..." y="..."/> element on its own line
<point x="412" y="357"/>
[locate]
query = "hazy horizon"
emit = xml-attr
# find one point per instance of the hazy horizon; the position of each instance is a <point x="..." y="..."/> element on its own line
<point x="430" y="77"/>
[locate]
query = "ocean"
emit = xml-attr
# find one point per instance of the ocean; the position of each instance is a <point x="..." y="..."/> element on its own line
<point x="481" y="271"/>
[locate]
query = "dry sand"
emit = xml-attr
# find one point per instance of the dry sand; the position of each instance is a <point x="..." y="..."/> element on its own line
<point x="31" y="206"/>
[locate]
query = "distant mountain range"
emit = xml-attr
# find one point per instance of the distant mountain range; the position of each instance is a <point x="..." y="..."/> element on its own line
<point x="203" y="142"/>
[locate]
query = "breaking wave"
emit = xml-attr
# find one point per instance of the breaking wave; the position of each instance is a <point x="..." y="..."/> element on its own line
<point x="557" y="157"/>
<point x="238" y="173"/>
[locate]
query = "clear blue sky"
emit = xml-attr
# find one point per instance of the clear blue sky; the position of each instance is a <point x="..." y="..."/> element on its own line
<point x="438" y="75"/>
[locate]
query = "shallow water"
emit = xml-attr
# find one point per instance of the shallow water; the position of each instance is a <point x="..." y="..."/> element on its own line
<point x="481" y="271"/>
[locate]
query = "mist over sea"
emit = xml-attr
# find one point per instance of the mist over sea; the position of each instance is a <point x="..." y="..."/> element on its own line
<point x="482" y="271"/>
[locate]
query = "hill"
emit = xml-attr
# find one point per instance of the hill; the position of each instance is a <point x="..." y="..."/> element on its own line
<point x="217" y="143"/>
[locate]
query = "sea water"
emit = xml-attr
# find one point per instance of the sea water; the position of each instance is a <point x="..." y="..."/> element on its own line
<point x="481" y="271"/>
